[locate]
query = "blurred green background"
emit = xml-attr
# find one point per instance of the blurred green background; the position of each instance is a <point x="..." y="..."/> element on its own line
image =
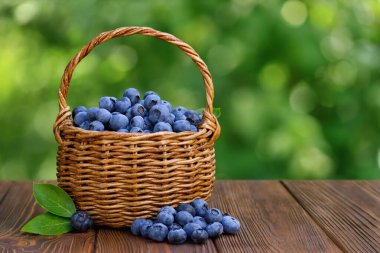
<point x="298" y="82"/>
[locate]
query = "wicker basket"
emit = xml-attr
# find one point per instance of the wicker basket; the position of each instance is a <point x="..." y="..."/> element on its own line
<point x="118" y="177"/>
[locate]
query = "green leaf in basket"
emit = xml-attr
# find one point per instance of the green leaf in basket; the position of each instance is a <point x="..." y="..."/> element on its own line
<point x="54" y="199"/>
<point x="47" y="224"/>
<point x="217" y="111"/>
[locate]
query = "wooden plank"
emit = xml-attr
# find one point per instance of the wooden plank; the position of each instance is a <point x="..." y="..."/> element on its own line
<point x="271" y="219"/>
<point x="112" y="240"/>
<point x="17" y="207"/>
<point x="349" y="211"/>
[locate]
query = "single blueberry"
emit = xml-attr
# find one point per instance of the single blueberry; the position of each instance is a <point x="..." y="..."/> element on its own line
<point x="174" y="226"/>
<point x="96" y="126"/>
<point x="137" y="121"/>
<point x="122" y="105"/>
<point x="200" y="206"/>
<point x="151" y="100"/>
<point x="92" y="113"/>
<point x="80" y="117"/>
<point x="148" y="124"/>
<point x="213" y="215"/>
<point x="199" y="236"/>
<point x="179" y="110"/>
<point x="181" y="125"/>
<point x="158" y="232"/>
<point x="103" y="116"/>
<point x="149" y="93"/>
<point x="85" y="125"/>
<point x="165" y="218"/>
<point x="144" y="229"/>
<point x="186" y="207"/>
<point x="138" y="110"/>
<point x="158" y="113"/>
<point x="79" y="109"/>
<point x="167" y="104"/>
<point x="214" y="229"/>
<point x="129" y="113"/>
<point x="136" y="130"/>
<point x="193" y="117"/>
<point x="200" y="221"/>
<point x="118" y="121"/>
<point x="123" y="130"/>
<point x="168" y="209"/>
<point x="177" y="236"/>
<point x="162" y="126"/>
<point x="107" y="103"/>
<point x="191" y="227"/>
<point x="230" y="225"/>
<point x="133" y="95"/>
<point x="193" y="128"/>
<point x="136" y="226"/>
<point x="179" y="117"/>
<point x="183" y="217"/>
<point x="81" y="221"/>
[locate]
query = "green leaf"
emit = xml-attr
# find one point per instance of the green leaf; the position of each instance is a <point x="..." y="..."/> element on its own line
<point x="54" y="199"/>
<point x="217" y="111"/>
<point x="47" y="224"/>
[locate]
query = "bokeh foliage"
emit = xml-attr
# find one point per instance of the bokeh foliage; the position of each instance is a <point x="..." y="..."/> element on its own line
<point x="298" y="82"/>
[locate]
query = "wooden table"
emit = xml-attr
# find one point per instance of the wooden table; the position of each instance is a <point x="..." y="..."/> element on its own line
<point x="276" y="216"/>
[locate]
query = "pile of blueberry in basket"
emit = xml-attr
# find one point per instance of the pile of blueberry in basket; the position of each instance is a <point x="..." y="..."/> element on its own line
<point x="193" y="222"/>
<point x="130" y="114"/>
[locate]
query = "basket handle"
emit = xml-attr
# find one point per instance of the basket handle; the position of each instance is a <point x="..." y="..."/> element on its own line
<point x="209" y="120"/>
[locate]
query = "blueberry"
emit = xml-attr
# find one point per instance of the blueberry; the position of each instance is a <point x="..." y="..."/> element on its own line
<point x="214" y="229"/>
<point x="79" y="109"/>
<point x="191" y="227"/>
<point x="213" y="215"/>
<point x="141" y="102"/>
<point x="165" y="218"/>
<point x="118" y="121"/>
<point x="85" y="125"/>
<point x="136" y="226"/>
<point x="193" y="117"/>
<point x="199" y="236"/>
<point x="193" y="128"/>
<point x="162" y="126"/>
<point x="122" y="105"/>
<point x="158" y="113"/>
<point x="80" y="118"/>
<point x="168" y="209"/>
<point x="183" y="217"/>
<point x="147" y="131"/>
<point x="137" y="121"/>
<point x="138" y="110"/>
<point x="167" y="104"/>
<point x="96" y="126"/>
<point x="230" y="225"/>
<point x="149" y="93"/>
<point x="179" y="117"/>
<point x="181" y="125"/>
<point x="158" y="232"/>
<point x="186" y="207"/>
<point x="123" y="130"/>
<point x="151" y="100"/>
<point x="175" y="226"/>
<point x="200" y="221"/>
<point x="148" y="124"/>
<point x="144" y="229"/>
<point x="92" y="113"/>
<point x="200" y="206"/>
<point x="129" y="113"/>
<point x="133" y="95"/>
<point x="179" y="110"/>
<point x="136" y="130"/>
<point x="177" y="236"/>
<point x="81" y="221"/>
<point x="103" y="116"/>
<point x="107" y="103"/>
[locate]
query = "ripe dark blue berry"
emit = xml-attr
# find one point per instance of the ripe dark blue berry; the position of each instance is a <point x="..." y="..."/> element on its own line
<point x="213" y="215"/>
<point x="107" y="103"/>
<point x="151" y="100"/>
<point x="136" y="226"/>
<point x="165" y="218"/>
<point x="92" y="113"/>
<point x="183" y="217"/>
<point x="138" y="110"/>
<point x="118" y="121"/>
<point x="200" y="221"/>
<point x="181" y="125"/>
<point x="193" y="117"/>
<point x="137" y="121"/>
<point x="81" y="221"/>
<point x="158" y="113"/>
<point x="230" y="225"/>
<point x="103" y="115"/>
<point x="177" y="236"/>
<point x="80" y="117"/>
<point x="122" y="105"/>
<point x="123" y="130"/>
<point x="158" y="232"/>
<point x="214" y="229"/>
<point x="133" y="95"/>
<point x="162" y="126"/>
<point x="175" y="226"/>
<point x="149" y="93"/>
<point x="96" y="126"/>
<point x="85" y="125"/>
<point x="144" y="229"/>
<point x="136" y="130"/>
<point x="200" y="206"/>
<point x="79" y="109"/>
<point x="186" y="207"/>
<point x="168" y="209"/>
<point x="191" y="227"/>
<point x="199" y="236"/>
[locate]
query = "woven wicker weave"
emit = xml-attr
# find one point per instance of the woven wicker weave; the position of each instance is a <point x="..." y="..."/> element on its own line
<point x="118" y="177"/>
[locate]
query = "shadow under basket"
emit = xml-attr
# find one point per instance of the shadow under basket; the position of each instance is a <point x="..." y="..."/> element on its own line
<point x="119" y="177"/>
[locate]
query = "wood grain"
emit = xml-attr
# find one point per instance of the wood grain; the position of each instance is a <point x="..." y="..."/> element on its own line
<point x="271" y="220"/>
<point x="349" y="211"/>
<point x="111" y="240"/>
<point x="16" y="208"/>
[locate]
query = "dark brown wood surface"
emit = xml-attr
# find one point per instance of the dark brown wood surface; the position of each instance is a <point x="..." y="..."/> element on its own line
<point x="289" y="216"/>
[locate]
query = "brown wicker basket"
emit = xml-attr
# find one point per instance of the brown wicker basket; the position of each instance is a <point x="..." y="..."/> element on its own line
<point x="118" y="177"/>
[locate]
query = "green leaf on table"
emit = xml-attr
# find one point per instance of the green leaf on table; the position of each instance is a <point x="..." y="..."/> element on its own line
<point x="47" y="224"/>
<point x="217" y="111"/>
<point x="54" y="199"/>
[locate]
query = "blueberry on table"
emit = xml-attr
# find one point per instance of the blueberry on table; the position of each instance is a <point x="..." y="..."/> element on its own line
<point x="186" y="207"/>
<point x="181" y="125"/>
<point x="81" y="221"/>
<point x="96" y="126"/>
<point x="118" y="121"/>
<point x="165" y="218"/>
<point x="193" y="117"/>
<point x="214" y="229"/>
<point x="149" y="93"/>
<point x="144" y="230"/>
<point x="136" y="130"/>
<point x="151" y="100"/>
<point x="137" y="121"/>
<point x="103" y="116"/>
<point x="158" y="113"/>
<point x="177" y="236"/>
<point x="200" y="206"/>
<point x="199" y="236"/>
<point x="158" y="232"/>
<point x="80" y="117"/>
<point x="138" y="110"/>
<point x="107" y="103"/>
<point x="200" y="221"/>
<point x="191" y="227"/>
<point x="92" y="113"/>
<point x="213" y="215"/>
<point x="136" y="226"/>
<point x="122" y="105"/>
<point x="230" y="225"/>
<point x="168" y="209"/>
<point x="183" y="217"/>
<point x="162" y="126"/>
<point x="133" y="95"/>
<point x="79" y="109"/>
